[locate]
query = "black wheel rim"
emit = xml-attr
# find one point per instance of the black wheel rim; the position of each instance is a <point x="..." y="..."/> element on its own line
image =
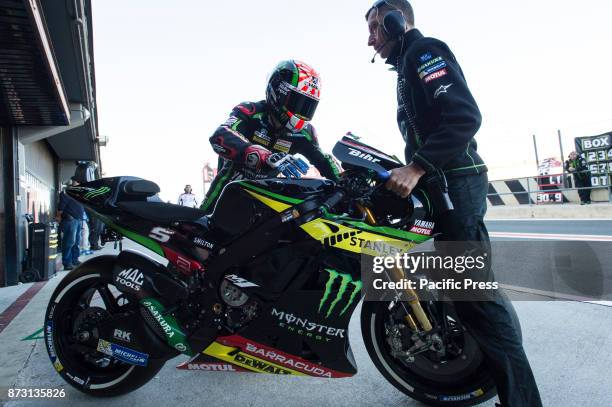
<point x="78" y="359"/>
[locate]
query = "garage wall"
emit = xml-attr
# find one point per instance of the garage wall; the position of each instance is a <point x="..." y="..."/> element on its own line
<point x="2" y="218"/>
<point x="40" y="181"/>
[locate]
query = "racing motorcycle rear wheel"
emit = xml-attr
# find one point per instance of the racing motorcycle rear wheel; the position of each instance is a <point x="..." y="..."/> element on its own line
<point x="83" y="298"/>
<point x="451" y="372"/>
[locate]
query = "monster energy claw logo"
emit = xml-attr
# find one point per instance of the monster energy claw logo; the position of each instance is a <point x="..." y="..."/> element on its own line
<point x="96" y="192"/>
<point x="345" y="281"/>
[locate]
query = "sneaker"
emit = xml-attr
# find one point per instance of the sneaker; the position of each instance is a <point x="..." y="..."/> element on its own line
<point x="96" y="248"/>
<point x="76" y="263"/>
<point x="68" y="267"/>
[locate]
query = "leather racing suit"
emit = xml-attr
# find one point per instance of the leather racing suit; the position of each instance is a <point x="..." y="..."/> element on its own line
<point x="247" y="137"/>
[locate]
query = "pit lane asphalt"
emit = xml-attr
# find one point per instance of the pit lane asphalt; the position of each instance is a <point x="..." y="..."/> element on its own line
<point x="553" y="226"/>
<point x="568" y="344"/>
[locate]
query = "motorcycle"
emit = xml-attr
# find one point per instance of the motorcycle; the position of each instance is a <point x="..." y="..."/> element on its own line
<point x="267" y="283"/>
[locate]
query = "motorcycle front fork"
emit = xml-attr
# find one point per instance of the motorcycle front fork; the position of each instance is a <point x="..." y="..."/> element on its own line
<point x="413" y="299"/>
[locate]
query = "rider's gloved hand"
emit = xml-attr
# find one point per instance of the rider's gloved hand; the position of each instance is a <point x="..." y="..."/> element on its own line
<point x="288" y="165"/>
<point x="256" y="158"/>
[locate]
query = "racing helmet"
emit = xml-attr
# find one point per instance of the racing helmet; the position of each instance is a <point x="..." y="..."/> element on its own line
<point x="293" y="94"/>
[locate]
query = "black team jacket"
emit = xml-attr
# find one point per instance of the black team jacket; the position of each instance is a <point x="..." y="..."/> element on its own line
<point x="437" y="115"/>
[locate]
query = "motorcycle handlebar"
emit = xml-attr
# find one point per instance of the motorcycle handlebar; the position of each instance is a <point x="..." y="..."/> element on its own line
<point x="384" y="175"/>
<point x="333" y="200"/>
<point x="436" y="186"/>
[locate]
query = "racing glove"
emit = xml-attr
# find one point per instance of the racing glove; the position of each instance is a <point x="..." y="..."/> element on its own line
<point x="288" y="165"/>
<point x="256" y="157"/>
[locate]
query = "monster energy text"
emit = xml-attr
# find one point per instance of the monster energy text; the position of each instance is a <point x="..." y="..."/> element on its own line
<point x="291" y="322"/>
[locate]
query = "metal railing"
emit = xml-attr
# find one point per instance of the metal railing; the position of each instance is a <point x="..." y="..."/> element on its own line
<point x="555" y="188"/>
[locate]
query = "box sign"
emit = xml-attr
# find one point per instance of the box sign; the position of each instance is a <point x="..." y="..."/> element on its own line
<point x="597" y="152"/>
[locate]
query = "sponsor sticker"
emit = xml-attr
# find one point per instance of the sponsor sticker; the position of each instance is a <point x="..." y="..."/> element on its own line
<point x="122" y="335"/>
<point x="420" y="231"/>
<point x="362" y="155"/>
<point x="239" y="281"/>
<point x="175" y="337"/>
<point x="50" y="344"/>
<point x="432" y="69"/>
<point x="435" y="75"/>
<point x="211" y="367"/>
<point x="131" y="278"/>
<point x="203" y="243"/>
<point x="51" y="347"/>
<point x="292" y="362"/>
<point x="282" y="145"/>
<point x="424" y="223"/>
<point x="122" y="353"/>
<point x="261" y="137"/>
<point x="303" y="324"/>
<point x="429" y="63"/>
<point x="425" y="57"/>
<point x="257" y="364"/>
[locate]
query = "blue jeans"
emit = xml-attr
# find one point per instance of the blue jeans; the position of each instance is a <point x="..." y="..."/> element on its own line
<point x="70" y="228"/>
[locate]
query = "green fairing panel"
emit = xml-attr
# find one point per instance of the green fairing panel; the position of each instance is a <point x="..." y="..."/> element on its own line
<point x="273" y="195"/>
<point x="143" y="240"/>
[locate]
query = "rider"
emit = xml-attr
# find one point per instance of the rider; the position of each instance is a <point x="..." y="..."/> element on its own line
<point x="259" y="137"/>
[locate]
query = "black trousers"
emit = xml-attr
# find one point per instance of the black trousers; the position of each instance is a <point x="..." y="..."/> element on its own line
<point x="493" y="323"/>
<point x="584" y="194"/>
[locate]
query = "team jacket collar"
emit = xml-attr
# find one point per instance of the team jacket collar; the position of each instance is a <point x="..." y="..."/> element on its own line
<point x="407" y="40"/>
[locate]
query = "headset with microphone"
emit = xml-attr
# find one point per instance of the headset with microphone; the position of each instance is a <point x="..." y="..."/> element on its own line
<point x="394" y="26"/>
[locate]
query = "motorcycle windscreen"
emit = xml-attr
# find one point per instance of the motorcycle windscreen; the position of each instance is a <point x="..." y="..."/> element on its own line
<point x="350" y="151"/>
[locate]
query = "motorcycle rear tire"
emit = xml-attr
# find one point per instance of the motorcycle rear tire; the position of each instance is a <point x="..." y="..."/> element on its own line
<point x="88" y="380"/>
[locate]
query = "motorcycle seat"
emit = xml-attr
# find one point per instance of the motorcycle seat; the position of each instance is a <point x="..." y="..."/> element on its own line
<point x="164" y="213"/>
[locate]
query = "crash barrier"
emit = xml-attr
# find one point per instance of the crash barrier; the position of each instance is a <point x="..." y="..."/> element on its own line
<point x="543" y="190"/>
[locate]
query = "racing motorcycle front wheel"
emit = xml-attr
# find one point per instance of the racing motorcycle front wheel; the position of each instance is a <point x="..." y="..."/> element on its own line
<point x="83" y="299"/>
<point x="443" y="369"/>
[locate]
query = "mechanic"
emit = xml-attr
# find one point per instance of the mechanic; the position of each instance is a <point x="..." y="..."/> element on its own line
<point x="582" y="176"/>
<point x="260" y="137"/>
<point x="438" y="119"/>
<point x="69" y="215"/>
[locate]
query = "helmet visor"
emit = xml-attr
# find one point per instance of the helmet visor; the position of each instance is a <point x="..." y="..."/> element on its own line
<point x="301" y="104"/>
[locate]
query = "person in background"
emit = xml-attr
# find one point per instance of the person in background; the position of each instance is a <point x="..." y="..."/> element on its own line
<point x="95" y="229"/>
<point x="187" y="198"/>
<point x="582" y="177"/>
<point x="86" y="172"/>
<point x="70" y="217"/>
<point x="84" y="235"/>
